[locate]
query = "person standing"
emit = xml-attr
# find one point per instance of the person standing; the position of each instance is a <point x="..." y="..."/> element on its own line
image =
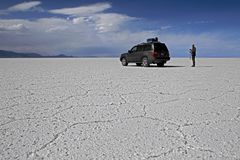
<point x="193" y="53"/>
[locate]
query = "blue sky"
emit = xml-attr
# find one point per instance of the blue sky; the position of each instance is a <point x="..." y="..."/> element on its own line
<point x="108" y="28"/>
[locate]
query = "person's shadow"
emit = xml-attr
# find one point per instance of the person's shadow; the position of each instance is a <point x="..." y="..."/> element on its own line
<point x="204" y="66"/>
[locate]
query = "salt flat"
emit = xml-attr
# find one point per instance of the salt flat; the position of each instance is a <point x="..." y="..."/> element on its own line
<point x="98" y="109"/>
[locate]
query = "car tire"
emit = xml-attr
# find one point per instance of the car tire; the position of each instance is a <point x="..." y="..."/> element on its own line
<point x="138" y="64"/>
<point x="145" y="62"/>
<point x="160" y="64"/>
<point x="124" y="62"/>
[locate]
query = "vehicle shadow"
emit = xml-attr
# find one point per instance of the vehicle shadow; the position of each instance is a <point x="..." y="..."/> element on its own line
<point x="169" y="66"/>
<point x="154" y="66"/>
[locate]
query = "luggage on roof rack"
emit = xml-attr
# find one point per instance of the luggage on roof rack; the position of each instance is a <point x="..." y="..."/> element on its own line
<point x="149" y="40"/>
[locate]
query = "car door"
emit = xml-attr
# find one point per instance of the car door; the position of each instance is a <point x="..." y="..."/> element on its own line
<point x="131" y="54"/>
<point x="147" y="49"/>
<point x="138" y="54"/>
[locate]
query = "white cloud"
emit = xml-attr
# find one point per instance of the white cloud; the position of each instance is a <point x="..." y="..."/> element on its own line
<point x="58" y="35"/>
<point x="110" y="21"/>
<point x="83" y="10"/>
<point x="57" y="29"/>
<point x="203" y="22"/>
<point x="12" y="27"/>
<point x="165" y="27"/>
<point x="25" y="6"/>
<point x="104" y="22"/>
<point x="93" y="16"/>
<point x="200" y="22"/>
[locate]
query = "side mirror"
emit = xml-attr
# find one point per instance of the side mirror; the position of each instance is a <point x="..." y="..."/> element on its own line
<point x="129" y="51"/>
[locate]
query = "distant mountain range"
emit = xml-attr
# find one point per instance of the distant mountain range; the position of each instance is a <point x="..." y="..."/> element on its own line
<point x="11" y="54"/>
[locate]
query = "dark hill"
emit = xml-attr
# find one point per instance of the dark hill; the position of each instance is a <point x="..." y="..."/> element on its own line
<point x="10" y="54"/>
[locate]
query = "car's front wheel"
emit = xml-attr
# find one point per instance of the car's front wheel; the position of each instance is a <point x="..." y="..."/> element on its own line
<point x="124" y="62"/>
<point x="145" y="62"/>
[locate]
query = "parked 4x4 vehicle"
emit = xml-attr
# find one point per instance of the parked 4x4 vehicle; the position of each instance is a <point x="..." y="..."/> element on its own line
<point x="146" y="53"/>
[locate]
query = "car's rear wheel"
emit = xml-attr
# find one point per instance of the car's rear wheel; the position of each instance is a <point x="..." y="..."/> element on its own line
<point x="160" y="64"/>
<point x="124" y="62"/>
<point x="138" y="64"/>
<point x="145" y="62"/>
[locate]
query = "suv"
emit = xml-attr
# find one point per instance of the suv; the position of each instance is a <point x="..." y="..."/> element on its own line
<point x="146" y="53"/>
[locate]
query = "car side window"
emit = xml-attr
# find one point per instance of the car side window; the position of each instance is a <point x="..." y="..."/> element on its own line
<point x="134" y="49"/>
<point x="147" y="47"/>
<point x="139" y="48"/>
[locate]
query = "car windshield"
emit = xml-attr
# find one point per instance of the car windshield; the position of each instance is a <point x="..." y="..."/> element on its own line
<point x="158" y="47"/>
<point x="134" y="49"/>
